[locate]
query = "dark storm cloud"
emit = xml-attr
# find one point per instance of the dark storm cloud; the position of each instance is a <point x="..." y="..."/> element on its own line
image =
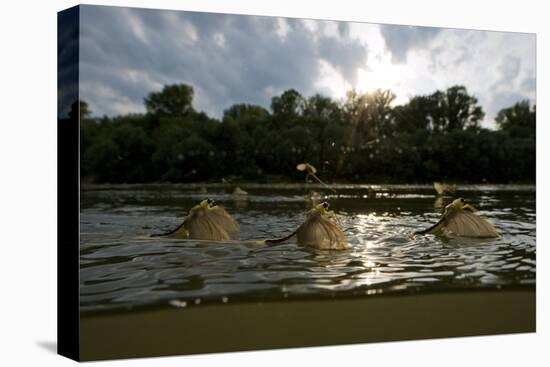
<point x="400" y="39"/>
<point x="127" y="53"/>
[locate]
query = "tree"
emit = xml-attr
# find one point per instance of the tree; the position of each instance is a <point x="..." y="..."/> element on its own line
<point x="364" y="138"/>
<point x="288" y="105"/>
<point x="321" y="108"/>
<point x="454" y="109"/>
<point x="414" y="115"/>
<point x="369" y="113"/>
<point x="174" y="101"/>
<point x="80" y="109"/>
<point x="248" y="116"/>
<point x="319" y="114"/>
<point x="519" y="119"/>
<point x="246" y="111"/>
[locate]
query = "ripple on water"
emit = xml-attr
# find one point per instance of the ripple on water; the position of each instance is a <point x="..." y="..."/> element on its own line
<point x="122" y="267"/>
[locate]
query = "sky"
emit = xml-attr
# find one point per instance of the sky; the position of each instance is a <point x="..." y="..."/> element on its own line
<point x="126" y="53"/>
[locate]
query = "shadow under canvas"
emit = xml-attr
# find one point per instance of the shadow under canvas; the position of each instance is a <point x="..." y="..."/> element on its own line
<point x="49" y="345"/>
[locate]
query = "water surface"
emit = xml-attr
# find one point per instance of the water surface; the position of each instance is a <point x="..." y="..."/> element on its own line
<point x="122" y="268"/>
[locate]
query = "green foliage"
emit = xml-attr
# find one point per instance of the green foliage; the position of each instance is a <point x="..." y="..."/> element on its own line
<point x="455" y="109"/>
<point x="173" y="100"/>
<point x="361" y="139"/>
<point x="440" y="112"/>
<point x="288" y="106"/>
<point x="369" y="114"/>
<point x="519" y="119"/>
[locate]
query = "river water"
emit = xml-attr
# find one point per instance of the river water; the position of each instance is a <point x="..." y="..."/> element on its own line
<point x="122" y="268"/>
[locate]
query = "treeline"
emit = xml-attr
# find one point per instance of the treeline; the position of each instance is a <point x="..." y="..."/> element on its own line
<point x="361" y="139"/>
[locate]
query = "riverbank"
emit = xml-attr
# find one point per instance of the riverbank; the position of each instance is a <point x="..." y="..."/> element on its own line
<point x="287" y="324"/>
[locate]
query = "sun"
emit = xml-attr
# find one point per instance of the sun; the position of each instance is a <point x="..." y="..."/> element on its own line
<point x="378" y="73"/>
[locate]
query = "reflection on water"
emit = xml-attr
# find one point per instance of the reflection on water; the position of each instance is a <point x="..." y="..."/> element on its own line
<point x="122" y="267"/>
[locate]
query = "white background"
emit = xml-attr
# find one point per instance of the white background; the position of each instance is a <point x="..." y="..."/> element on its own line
<point x="28" y="183"/>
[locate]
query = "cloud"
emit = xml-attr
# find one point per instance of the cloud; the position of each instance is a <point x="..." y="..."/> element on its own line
<point x="496" y="67"/>
<point x="343" y="29"/>
<point x="127" y="53"/>
<point x="529" y="84"/>
<point x="227" y="58"/>
<point x="508" y="71"/>
<point x="345" y="56"/>
<point x="400" y="39"/>
<point x="504" y="99"/>
<point x="509" y="67"/>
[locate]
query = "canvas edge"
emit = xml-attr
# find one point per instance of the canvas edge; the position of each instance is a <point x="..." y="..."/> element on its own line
<point x="68" y="181"/>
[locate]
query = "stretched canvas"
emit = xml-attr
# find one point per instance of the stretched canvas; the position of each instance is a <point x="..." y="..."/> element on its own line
<point x="241" y="182"/>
